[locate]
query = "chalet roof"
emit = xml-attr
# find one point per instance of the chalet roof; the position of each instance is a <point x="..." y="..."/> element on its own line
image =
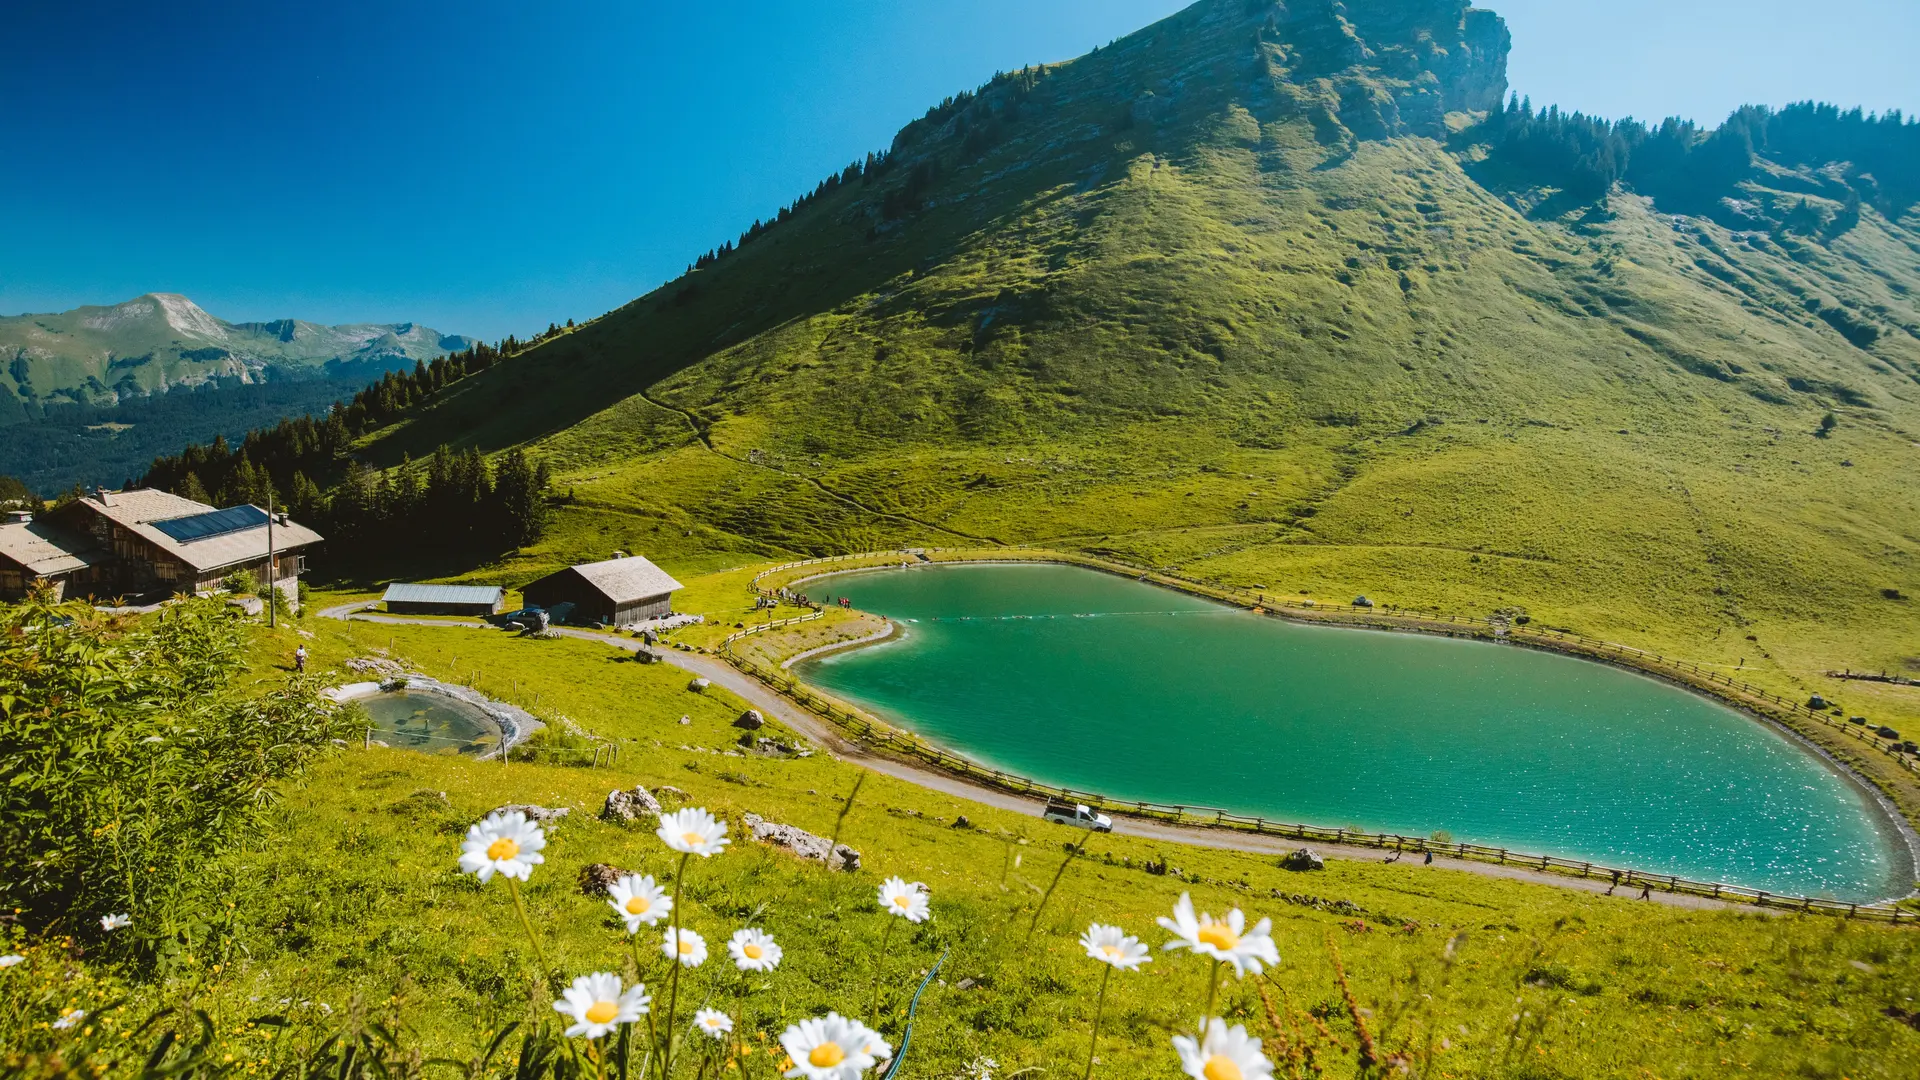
<point x="45" y="550"/>
<point x="442" y="594"/>
<point x="140" y="511"/>
<point x="625" y="580"/>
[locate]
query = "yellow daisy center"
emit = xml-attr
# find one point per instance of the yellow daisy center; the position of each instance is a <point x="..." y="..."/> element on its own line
<point x="1111" y="950"/>
<point x="753" y="952"/>
<point x="639" y="905"/>
<point x="503" y="849"/>
<point x="826" y="1055"/>
<point x="903" y="900"/>
<point x="693" y="838"/>
<point x="686" y="948"/>
<point x="1221" y="1067"/>
<point x="1220" y="936"/>
<point x="601" y="1012"/>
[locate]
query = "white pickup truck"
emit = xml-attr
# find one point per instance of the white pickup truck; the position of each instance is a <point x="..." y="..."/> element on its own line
<point x="1079" y="815"/>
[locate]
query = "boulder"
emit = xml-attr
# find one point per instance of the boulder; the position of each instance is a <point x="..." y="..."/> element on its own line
<point x="597" y="878"/>
<point x="699" y="686"/>
<point x="626" y="806"/>
<point x="1303" y="859"/>
<point x="802" y="843"/>
<point x="1816" y="702"/>
<point x="751" y="720"/>
<point x="1361" y="601"/>
<point x="539" y="815"/>
<point x="668" y="791"/>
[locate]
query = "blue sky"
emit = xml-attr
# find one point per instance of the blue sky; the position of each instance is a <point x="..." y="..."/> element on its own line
<point x="486" y="167"/>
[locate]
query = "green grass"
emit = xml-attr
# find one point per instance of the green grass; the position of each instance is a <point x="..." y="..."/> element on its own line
<point x="352" y="896"/>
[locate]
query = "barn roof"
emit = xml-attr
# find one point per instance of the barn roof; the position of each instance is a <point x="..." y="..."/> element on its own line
<point x="625" y="580"/>
<point x="442" y="594"/>
<point x="203" y="537"/>
<point x="44" y="550"/>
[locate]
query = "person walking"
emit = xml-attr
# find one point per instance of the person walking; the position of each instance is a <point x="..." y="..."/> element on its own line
<point x="1616" y="883"/>
<point x="300" y="659"/>
<point x="1646" y="892"/>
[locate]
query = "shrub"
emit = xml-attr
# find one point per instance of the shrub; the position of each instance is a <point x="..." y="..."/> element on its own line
<point x="241" y="582"/>
<point x="129" y="760"/>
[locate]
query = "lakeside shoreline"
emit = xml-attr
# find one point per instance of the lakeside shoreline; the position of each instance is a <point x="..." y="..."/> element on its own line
<point x="1889" y="815"/>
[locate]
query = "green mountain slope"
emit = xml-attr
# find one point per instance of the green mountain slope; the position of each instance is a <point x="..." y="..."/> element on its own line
<point x="1280" y="294"/>
<point x="103" y="356"/>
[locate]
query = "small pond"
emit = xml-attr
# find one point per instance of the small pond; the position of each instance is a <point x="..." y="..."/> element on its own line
<point x="1104" y="684"/>
<point x="431" y="722"/>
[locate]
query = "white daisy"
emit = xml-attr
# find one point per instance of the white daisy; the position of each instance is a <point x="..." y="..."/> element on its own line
<point x="1226" y="938"/>
<point x="114" y="922"/>
<point x="507" y="844"/>
<point x="68" y="1018"/>
<point x="876" y="1047"/>
<point x="754" y="950"/>
<point x="1112" y="945"/>
<point x="639" y="901"/>
<point x="1223" y="1055"/>
<point x="714" y="1022"/>
<point x="598" y="1007"/>
<point x="907" y="901"/>
<point x="11" y="959"/>
<point x="685" y="946"/>
<point x="693" y="831"/>
<point x="826" y="1048"/>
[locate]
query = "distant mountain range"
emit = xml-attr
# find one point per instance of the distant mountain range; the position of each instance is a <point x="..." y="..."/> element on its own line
<point x="92" y="395"/>
<point x="101" y="356"/>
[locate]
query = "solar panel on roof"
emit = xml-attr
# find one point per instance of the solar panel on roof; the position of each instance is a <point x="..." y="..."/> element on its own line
<point x="213" y="523"/>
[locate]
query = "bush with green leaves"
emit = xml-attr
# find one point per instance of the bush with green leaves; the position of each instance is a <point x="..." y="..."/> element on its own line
<point x="130" y="758"/>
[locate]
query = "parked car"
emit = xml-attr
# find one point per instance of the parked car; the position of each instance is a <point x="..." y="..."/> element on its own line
<point x="1079" y="815"/>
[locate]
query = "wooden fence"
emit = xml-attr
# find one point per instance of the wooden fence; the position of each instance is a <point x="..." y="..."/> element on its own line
<point x="892" y="740"/>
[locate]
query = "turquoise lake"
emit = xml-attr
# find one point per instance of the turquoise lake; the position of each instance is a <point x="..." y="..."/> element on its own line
<point x="1103" y="684"/>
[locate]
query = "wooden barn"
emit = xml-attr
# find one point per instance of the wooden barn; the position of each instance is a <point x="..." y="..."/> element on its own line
<point x="147" y="543"/>
<point x="618" y="592"/>
<point x="402" y="599"/>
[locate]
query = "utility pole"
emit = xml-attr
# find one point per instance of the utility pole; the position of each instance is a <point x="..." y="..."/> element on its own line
<point x="272" y="576"/>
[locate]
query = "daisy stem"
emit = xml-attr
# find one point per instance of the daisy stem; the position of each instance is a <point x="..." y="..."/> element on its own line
<point x="513" y="886"/>
<point x="1213" y="987"/>
<point x="879" y="965"/>
<point x="673" y="991"/>
<point x="1100" y="1005"/>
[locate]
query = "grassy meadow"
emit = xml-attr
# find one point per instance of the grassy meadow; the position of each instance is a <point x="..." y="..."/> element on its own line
<point x="350" y="904"/>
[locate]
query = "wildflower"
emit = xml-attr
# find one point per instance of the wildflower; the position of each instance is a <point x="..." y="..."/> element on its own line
<point x="1112" y="945"/>
<point x="68" y="1018"/>
<point x="11" y="959"/>
<point x="714" y="1022"/>
<point x="1225" y="939"/>
<point x="907" y="901"/>
<point x="111" y="923"/>
<point x="685" y="946"/>
<point x="597" y="1006"/>
<point x="693" y="831"/>
<point x="826" y="1048"/>
<point x="1224" y="1054"/>
<point x="506" y="843"/>
<point x="639" y="901"/>
<point x="870" y="1041"/>
<point x="754" y="950"/>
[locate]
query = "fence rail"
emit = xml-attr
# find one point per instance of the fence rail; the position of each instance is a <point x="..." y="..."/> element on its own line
<point x="889" y="739"/>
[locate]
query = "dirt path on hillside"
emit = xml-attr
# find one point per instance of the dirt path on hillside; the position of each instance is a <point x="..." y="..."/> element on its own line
<point x="757" y="694"/>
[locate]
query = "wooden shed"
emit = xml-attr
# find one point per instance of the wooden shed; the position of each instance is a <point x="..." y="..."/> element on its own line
<point x="618" y="592"/>
<point x="444" y="599"/>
